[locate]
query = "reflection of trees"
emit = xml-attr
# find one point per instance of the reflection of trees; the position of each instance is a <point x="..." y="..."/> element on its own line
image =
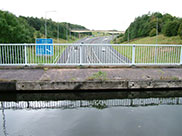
<point x="99" y="104"/>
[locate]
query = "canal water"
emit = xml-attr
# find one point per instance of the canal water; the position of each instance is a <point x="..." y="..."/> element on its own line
<point x="146" y="113"/>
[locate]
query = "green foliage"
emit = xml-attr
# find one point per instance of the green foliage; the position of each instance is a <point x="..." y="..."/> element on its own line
<point x="152" y="32"/>
<point x="180" y="30"/>
<point x="98" y="76"/>
<point x="146" y="25"/>
<point x="52" y="27"/>
<point x="25" y="29"/>
<point x="171" y="28"/>
<point x="14" y="30"/>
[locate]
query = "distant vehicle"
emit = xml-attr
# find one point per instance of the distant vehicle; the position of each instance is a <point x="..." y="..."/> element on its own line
<point x="76" y="47"/>
<point x="103" y="49"/>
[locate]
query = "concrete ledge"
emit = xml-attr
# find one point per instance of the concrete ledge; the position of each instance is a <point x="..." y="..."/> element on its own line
<point x="90" y="79"/>
<point x="155" y="84"/>
<point x="68" y="85"/>
<point x="97" y="85"/>
<point x="87" y="66"/>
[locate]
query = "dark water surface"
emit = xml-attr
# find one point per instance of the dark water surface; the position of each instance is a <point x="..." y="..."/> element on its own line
<point x="157" y="113"/>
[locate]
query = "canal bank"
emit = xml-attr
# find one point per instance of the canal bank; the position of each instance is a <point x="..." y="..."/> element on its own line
<point x="89" y="79"/>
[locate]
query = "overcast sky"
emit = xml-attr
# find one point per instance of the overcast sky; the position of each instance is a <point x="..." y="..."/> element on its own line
<point x="93" y="14"/>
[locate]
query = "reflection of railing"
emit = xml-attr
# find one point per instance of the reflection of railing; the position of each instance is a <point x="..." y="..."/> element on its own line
<point x="65" y="104"/>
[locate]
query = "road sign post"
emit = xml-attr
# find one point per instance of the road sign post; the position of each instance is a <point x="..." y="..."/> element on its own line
<point x="181" y="57"/>
<point x="133" y="55"/>
<point x="80" y="54"/>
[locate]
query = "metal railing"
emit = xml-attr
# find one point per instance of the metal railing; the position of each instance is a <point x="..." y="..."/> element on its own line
<point x="90" y="54"/>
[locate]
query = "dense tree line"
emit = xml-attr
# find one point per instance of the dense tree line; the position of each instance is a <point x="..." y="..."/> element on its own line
<point x="25" y="29"/>
<point x="150" y="24"/>
<point x="14" y="29"/>
<point x="21" y="29"/>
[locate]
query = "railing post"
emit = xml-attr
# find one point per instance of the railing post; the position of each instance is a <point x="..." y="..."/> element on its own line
<point x="133" y="54"/>
<point x="25" y="54"/>
<point x="181" y="56"/>
<point x="81" y="54"/>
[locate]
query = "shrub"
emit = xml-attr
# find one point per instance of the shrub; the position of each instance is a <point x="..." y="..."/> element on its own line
<point x="180" y="30"/>
<point x="171" y="28"/>
<point x="152" y="32"/>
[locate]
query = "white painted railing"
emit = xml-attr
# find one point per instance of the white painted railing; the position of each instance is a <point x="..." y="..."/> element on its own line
<point x="90" y="54"/>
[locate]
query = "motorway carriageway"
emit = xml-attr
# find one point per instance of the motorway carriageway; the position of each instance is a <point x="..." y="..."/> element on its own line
<point x="101" y="54"/>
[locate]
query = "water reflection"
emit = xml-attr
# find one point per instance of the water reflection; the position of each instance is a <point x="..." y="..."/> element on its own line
<point x="4" y="120"/>
<point x="99" y="104"/>
<point x="105" y="113"/>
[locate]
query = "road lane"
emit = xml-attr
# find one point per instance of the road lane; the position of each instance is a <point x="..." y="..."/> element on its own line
<point x="93" y="54"/>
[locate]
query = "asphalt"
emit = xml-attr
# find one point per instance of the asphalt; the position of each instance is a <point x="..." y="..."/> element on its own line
<point x="92" y="54"/>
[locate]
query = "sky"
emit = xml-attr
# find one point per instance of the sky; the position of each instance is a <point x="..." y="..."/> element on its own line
<point x="93" y="14"/>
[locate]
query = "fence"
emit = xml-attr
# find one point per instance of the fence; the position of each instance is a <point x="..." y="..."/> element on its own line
<point x="90" y="54"/>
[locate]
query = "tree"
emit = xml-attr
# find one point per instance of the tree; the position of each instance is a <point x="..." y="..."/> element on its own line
<point x="14" y="29"/>
<point x="171" y="28"/>
<point x="152" y="32"/>
<point x="146" y="24"/>
<point x="180" y="30"/>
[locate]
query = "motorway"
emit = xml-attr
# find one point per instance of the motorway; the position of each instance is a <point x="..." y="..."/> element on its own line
<point x="95" y="54"/>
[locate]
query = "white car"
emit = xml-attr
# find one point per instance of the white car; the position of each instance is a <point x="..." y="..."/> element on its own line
<point x="103" y="49"/>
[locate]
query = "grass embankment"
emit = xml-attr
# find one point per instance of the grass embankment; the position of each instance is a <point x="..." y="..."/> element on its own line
<point x="32" y="58"/>
<point x="161" y="39"/>
<point x="152" y="54"/>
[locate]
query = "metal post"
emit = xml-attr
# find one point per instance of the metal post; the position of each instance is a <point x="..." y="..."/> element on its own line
<point x="80" y="54"/>
<point x="25" y="54"/>
<point x="128" y="35"/>
<point x="155" y="61"/>
<point x="46" y="22"/>
<point x="133" y="55"/>
<point x="67" y="34"/>
<point x="58" y="34"/>
<point x="45" y="25"/>
<point x="181" y="57"/>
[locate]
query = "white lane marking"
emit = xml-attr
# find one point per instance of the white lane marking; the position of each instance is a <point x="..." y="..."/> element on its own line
<point x="69" y="54"/>
<point x="117" y="56"/>
<point x="96" y="55"/>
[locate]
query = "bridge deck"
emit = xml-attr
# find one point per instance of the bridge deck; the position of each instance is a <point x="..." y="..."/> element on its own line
<point x="64" y="79"/>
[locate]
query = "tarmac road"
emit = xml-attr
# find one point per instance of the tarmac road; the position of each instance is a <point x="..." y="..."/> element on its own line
<point x="101" y="54"/>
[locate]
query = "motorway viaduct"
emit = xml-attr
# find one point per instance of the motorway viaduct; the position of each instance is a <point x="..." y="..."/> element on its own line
<point x="98" y="31"/>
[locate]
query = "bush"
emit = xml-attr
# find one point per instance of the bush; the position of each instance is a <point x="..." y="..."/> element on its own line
<point x="152" y="32"/>
<point x="180" y="30"/>
<point x="171" y="28"/>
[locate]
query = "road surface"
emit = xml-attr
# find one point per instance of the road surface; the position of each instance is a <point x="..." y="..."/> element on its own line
<point x="102" y="54"/>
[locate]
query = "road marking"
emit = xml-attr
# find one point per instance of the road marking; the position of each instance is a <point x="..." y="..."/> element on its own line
<point x="96" y="56"/>
<point x="117" y="56"/>
<point x="69" y="52"/>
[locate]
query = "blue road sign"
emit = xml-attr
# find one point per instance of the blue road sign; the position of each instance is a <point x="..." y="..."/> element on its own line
<point x="44" y="50"/>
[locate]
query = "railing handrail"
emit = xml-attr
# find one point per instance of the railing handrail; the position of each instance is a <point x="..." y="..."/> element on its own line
<point x="78" y="44"/>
